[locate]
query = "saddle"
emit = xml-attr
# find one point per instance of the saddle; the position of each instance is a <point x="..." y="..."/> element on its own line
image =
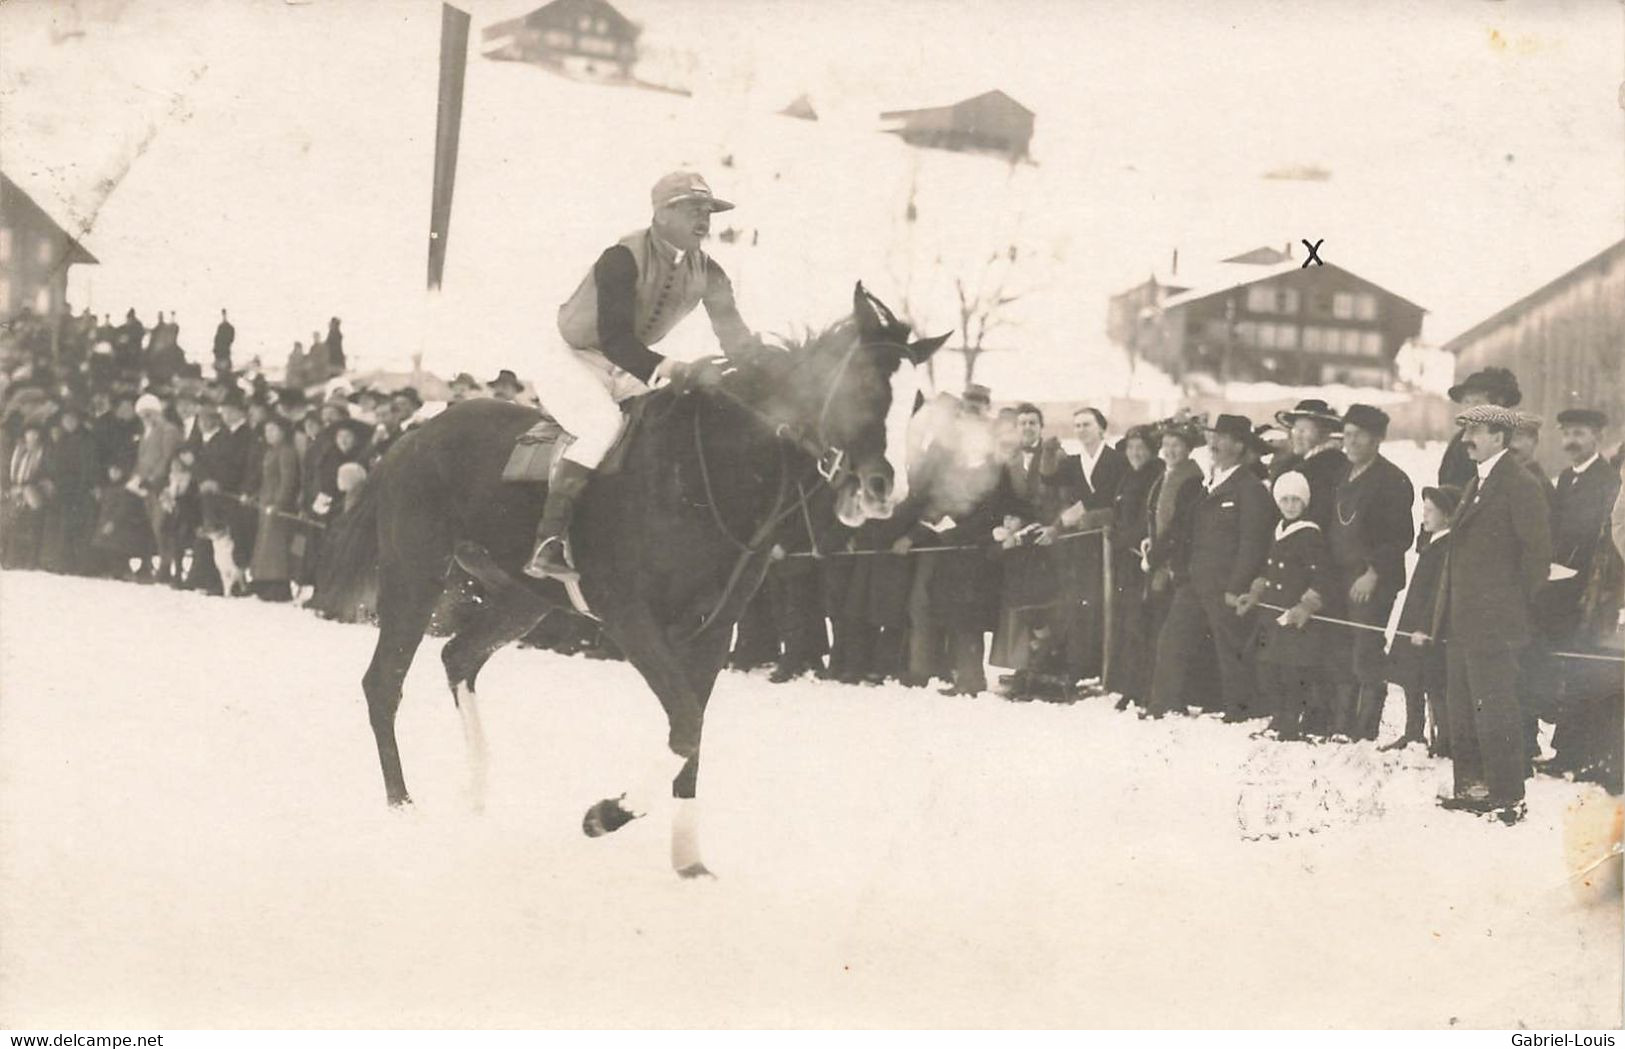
<point x="538" y="448"/>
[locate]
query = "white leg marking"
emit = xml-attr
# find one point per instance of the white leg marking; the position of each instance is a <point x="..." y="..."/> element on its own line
<point x="685" y="839"/>
<point x="474" y="743"/>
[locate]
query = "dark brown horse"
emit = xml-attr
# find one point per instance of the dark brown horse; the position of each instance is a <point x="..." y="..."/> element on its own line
<point x="670" y="547"/>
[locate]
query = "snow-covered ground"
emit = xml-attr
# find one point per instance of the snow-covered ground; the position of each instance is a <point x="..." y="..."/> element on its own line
<point x="194" y="834"/>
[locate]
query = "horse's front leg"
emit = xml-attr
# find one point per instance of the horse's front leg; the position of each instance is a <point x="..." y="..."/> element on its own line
<point x="681" y="677"/>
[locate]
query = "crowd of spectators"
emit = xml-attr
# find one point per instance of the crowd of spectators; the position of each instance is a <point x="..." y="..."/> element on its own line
<point x="1245" y="572"/>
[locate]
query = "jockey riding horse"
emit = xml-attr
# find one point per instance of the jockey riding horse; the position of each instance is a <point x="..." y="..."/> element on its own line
<point x="640" y="288"/>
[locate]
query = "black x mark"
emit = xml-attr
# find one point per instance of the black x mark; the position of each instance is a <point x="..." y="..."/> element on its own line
<point x="1313" y="253"/>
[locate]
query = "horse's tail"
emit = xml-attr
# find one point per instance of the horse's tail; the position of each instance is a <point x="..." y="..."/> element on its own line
<point x="347" y="578"/>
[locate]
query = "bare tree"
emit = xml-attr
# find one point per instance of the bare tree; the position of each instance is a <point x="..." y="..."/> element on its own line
<point x="984" y="305"/>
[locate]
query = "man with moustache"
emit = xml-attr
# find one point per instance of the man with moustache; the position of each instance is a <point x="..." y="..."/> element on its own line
<point x="1501" y="547"/>
<point x="1230" y="531"/>
<point x="637" y="292"/>
<point x="1581" y="498"/>
<point x="1490" y="386"/>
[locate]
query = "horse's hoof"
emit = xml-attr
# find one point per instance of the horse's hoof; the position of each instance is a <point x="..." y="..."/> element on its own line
<point x="695" y="871"/>
<point x="606" y="817"/>
<point x="401" y="803"/>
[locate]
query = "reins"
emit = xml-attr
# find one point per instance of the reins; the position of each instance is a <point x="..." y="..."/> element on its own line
<point x="828" y="460"/>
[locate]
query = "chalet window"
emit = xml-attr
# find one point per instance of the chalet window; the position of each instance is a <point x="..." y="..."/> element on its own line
<point x="584" y="24"/>
<point x="602" y="26"/>
<point x="1343" y="306"/>
<point x="557" y="39"/>
<point x="1371" y="343"/>
<point x="5" y="246"/>
<point x="1289" y="300"/>
<point x="1246" y="333"/>
<point x="1260" y="299"/>
<point x="42" y="301"/>
<point x="1286" y="336"/>
<point x="42" y="251"/>
<point x="1365" y="306"/>
<point x="1319" y="339"/>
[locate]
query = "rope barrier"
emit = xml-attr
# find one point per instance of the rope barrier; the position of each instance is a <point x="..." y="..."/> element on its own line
<point x="937" y="549"/>
<point x="254" y="503"/>
<point x="1413" y="634"/>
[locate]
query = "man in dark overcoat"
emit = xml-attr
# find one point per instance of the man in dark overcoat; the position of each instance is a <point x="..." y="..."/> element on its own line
<point x="1100" y="471"/>
<point x="1582" y="496"/>
<point x="1369" y="532"/>
<point x="1037" y="483"/>
<point x="1230" y="531"/>
<point x="1501" y="547"/>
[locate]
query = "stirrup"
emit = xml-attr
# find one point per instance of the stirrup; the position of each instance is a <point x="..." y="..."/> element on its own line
<point x="548" y="561"/>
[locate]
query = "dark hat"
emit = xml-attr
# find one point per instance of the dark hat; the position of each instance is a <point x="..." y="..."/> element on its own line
<point x="1185" y="430"/>
<point x="1312" y="408"/>
<point x="1367" y="418"/>
<point x="1446" y="497"/>
<point x="977" y="393"/>
<point x="508" y="379"/>
<point x="360" y="430"/>
<point x="1238" y="426"/>
<point x="1144" y="432"/>
<point x="290" y="397"/>
<point x="465" y="380"/>
<point x="1582" y="417"/>
<point x="232" y="397"/>
<point x="1499" y="383"/>
<point x="410" y="393"/>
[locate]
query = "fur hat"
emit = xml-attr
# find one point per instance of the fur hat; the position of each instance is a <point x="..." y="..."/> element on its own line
<point x="1368" y="418"/>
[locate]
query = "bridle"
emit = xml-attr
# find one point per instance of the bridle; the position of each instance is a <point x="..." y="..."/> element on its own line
<point x="829" y="460"/>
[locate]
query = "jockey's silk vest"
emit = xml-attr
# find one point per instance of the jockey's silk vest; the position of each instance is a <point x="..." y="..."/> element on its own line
<point x="667" y="292"/>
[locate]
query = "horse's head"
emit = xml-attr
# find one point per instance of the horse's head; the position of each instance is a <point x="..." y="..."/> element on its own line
<point x="853" y="392"/>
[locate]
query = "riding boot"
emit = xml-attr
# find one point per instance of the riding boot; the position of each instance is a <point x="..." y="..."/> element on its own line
<point x="547" y="561"/>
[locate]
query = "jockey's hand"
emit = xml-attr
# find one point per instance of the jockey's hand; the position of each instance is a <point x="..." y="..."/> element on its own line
<point x="703" y="374"/>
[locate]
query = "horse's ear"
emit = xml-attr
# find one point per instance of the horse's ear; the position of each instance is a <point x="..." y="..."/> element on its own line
<point x="873" y="316"/>
<point x="921" y="349"/>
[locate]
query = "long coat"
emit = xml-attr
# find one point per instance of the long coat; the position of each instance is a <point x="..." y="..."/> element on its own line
<point x="1323" y="469"/>
<point x="1230" y="536"/>
<point x="278" y="495"/>
<point x="1501" y="546"/>
<point x="1412" y="666"/>
<point x="71" y="518"/>
<point x="1377" y="507"/>
<point x="1298" y="561"/>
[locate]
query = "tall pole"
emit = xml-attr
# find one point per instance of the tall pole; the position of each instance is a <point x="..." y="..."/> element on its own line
<point x="454" y="25"/>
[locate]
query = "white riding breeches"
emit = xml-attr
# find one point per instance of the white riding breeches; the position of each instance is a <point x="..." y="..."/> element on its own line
<point x="583" y="391"/>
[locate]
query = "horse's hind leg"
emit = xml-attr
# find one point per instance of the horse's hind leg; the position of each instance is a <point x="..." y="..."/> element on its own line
<point x="405" y="603"/>
<point x="507" y="616"/>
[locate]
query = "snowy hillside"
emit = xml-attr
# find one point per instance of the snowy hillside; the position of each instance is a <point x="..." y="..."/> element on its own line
<point x="275" y="158"/>
<point x="195" y="835"/>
